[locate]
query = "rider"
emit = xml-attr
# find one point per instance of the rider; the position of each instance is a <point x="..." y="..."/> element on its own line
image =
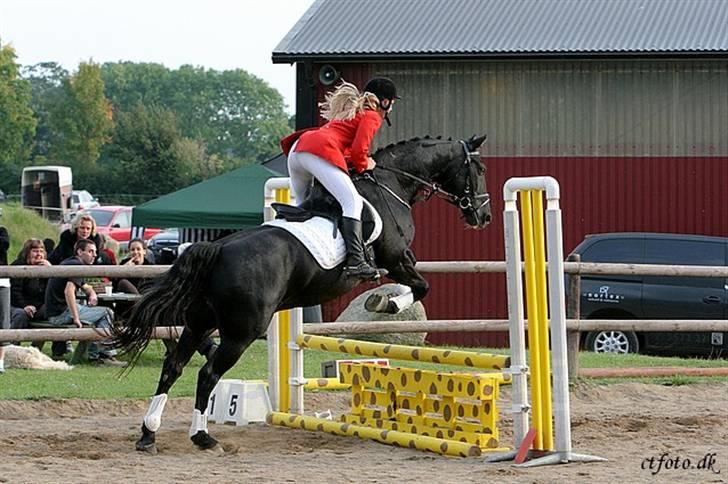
<point x="328" y="152"/>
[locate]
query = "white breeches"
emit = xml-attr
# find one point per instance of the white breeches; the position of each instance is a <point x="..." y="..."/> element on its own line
<point x="305" y="167"/>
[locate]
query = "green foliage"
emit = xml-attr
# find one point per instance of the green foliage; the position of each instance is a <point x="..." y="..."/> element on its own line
<point x="175" y="127"/>
<point x="82" y="120"/>
<point x="17" y="124"/>
<point x="234" y="114"/>
<point x="23" y="224"/>
<point x="46" y="81"/>
<point x="149" y="155"/>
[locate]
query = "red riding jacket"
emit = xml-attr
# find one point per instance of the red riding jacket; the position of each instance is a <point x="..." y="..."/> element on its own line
<point x="344" y="143"/>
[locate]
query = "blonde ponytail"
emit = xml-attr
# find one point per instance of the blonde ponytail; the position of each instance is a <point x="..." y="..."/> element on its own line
<point x="346" y="101"/>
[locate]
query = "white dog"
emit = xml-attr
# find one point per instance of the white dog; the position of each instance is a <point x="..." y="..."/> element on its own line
<point x="29" y="358"/>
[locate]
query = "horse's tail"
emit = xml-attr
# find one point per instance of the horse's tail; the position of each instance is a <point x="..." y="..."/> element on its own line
<point x="168" y="301"/>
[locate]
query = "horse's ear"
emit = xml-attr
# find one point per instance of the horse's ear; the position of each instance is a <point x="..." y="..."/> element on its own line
<point x="475" y="141"/>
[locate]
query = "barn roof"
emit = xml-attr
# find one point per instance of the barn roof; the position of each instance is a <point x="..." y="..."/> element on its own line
<point x="375" y="29"/>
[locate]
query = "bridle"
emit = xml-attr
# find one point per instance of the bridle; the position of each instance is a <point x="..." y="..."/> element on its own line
<point x="468" y="202"/>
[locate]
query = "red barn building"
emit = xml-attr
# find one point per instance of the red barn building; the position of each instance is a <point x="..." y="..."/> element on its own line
<point x="624" y="103"/>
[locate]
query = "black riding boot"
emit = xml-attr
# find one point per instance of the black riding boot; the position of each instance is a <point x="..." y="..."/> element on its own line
<point x="356" y="263"/>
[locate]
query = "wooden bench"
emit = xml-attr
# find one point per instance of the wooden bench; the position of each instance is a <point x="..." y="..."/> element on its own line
<point x="80" y="354"/>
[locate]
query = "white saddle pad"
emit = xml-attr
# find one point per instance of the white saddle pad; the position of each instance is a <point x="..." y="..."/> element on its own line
<point x="316" y="234"/>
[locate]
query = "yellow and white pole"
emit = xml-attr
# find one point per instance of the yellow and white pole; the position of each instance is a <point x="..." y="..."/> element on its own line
<point x="530" y="190"/>
<point x="279" y="330"/>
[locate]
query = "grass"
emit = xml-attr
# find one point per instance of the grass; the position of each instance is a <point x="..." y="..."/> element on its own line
<point x="23" y="224"/>
<point x="89" y="382"/>
<point x="588" y="359"/>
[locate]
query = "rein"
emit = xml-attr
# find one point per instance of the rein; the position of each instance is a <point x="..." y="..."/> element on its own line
<point x="464" y="202"/>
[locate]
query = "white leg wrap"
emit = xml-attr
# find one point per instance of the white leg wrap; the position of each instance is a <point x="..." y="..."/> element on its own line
<point x="199" y="422"/>
<point x="403" y="301"/>
<point x="153" y="418"/>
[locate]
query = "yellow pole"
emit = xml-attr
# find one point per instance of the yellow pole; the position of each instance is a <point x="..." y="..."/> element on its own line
<point x="391" y="437"/>
<point x="325" y="384"/>
<point x="408" y="353"/>
<point x="284" y="332"/>
<point x="544" y="355"/>
<point x="533" y="314"/>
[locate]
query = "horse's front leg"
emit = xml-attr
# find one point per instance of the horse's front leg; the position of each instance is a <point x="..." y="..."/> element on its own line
<point x="404" y="273"/>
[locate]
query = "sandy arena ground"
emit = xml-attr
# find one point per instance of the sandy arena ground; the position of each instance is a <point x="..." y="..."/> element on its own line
<point x="93" y="442"/>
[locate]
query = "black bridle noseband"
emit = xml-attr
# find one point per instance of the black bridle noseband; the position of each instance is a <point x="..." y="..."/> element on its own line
<point x="468" y="202"/>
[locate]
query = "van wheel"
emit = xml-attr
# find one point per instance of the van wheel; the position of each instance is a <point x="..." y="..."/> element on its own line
<point x="612" y="342"/>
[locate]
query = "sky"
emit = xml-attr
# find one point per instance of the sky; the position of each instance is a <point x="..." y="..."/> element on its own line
<point x="216" y="34"/>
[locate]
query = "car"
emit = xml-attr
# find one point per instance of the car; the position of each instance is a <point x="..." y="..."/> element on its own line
<point x="164" y="245"/>
<point x="82" y="200"/>
<point x="654" y="297"/>
<point x="115" y="221"/>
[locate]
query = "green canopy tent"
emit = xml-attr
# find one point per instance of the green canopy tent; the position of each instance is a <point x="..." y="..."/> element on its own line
<point x="231" y="201"/>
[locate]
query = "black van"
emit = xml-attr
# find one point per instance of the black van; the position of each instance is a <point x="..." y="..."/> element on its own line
<point x="653" y="297"/>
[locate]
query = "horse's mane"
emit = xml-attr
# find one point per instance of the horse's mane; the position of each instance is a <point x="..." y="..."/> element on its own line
<point x="402" y="143"/>
<point x="398" y="151"/>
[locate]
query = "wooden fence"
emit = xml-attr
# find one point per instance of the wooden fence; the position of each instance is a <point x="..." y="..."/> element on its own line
<point x="574" y="325"/>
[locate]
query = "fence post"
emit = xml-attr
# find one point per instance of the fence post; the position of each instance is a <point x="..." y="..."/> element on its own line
<point x="573" y="311"/>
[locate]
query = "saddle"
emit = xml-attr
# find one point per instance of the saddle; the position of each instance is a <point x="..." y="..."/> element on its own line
<point x="292" y="213"/>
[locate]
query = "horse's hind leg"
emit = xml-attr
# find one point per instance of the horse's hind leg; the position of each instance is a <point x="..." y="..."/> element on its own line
<point x="224" y="358"/>
<point x="174" y="362"/>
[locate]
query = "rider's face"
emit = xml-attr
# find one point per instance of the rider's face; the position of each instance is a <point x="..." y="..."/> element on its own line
<point x="385" y="106"/>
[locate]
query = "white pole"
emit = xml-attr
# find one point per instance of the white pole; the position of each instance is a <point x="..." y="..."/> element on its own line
<point x="557" y="307"/>
<point x="519" y="368"/>
<point x="296" y="379"/>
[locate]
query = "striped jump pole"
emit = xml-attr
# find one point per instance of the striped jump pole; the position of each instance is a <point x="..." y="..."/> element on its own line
<point x="285" y="361"/>
<point x="549" y="405"/>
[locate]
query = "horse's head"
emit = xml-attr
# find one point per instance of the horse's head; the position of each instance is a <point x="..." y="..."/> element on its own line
<point x="474" y="201"/>
<point x="449" y="169"/>
<point x="458" y="176"/>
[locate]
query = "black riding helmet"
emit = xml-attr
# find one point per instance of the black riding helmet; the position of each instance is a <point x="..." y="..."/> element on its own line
<point x="384" y="89"/>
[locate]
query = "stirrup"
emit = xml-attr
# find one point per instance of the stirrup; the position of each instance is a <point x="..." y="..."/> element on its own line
<point x="362" y="271"/>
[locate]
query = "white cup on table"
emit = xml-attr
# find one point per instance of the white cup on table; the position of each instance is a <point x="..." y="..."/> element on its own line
<point x="107" y="290"/>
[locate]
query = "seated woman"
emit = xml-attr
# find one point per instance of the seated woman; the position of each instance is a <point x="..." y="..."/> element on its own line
<point x="27" y="295"/>
<point x="137" y="257"/>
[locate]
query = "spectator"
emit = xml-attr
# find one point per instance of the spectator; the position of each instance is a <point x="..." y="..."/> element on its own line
<point x="62" y="308"/>
<point x="83" y="227"/>
<point x="27" y="295"/>
<point x="137" y="257"/>
<point x="4" y="293"/>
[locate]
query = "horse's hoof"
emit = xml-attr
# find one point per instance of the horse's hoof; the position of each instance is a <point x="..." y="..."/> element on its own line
<point x="146" y="441"/>
<point x="203" y="440"/>
<point x="376" y="303"/>
<point x="149" y="448"/>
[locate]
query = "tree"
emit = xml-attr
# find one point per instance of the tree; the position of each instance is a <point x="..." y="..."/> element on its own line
<point x="82" y="121"/>
<point x="234" y="114"/>
<point x="46" y="81"/>
<point x="17" y="124"/>
<point x="149" y="155"/>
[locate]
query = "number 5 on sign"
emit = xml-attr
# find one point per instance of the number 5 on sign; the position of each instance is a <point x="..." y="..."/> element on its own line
<point x="217" y="409"/>
<point x="238" y="402"/>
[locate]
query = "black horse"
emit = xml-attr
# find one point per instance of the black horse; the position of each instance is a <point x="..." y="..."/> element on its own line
<point x="236" y="284"/>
